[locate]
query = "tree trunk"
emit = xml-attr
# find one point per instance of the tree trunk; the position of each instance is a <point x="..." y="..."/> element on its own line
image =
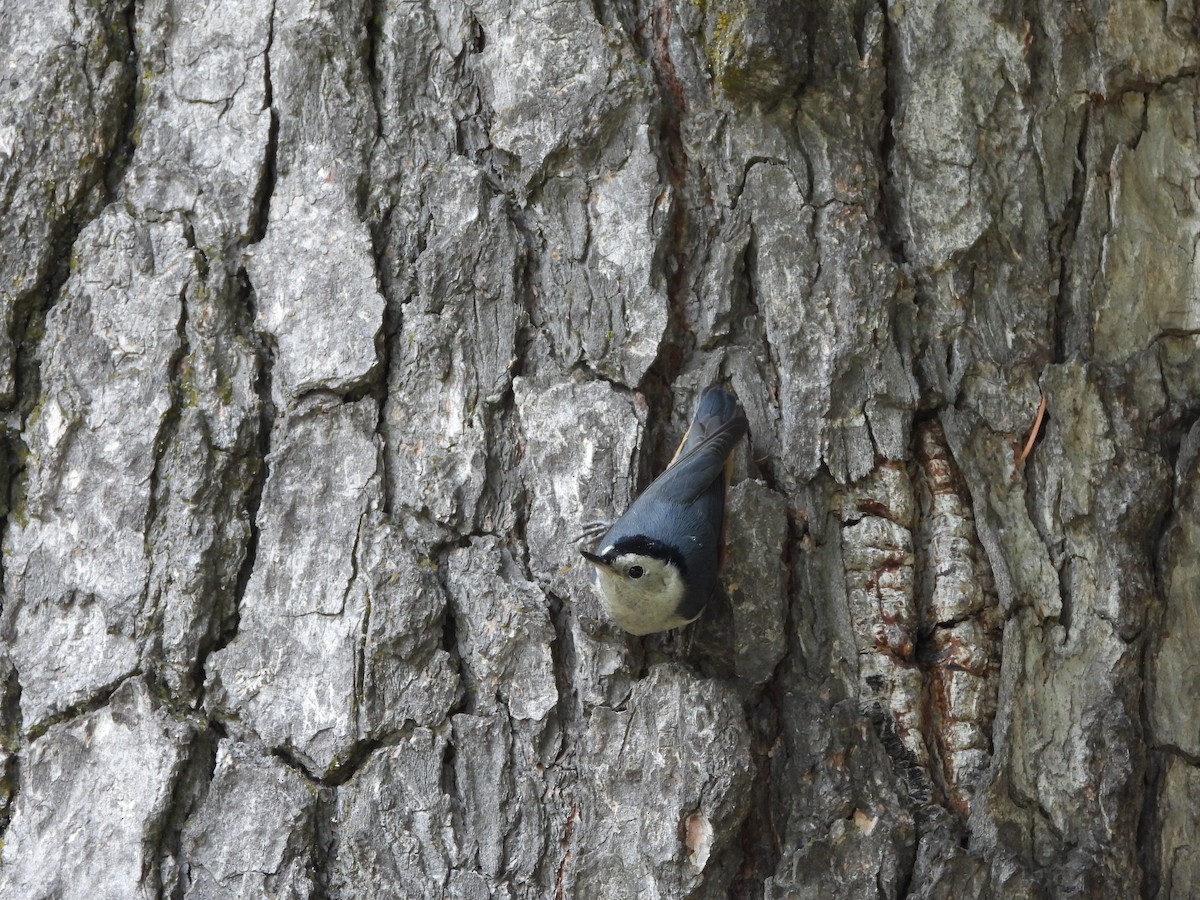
<point x="328" y="326"/>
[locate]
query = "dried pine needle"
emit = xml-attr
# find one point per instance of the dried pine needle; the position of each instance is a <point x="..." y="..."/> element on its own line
<point x="1033" y="432"/>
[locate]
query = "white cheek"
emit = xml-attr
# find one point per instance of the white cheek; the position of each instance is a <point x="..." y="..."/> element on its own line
<point x="643" y="605"/>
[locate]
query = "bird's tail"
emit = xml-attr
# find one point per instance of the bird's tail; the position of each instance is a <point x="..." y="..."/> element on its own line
<point x="717" y="411"/>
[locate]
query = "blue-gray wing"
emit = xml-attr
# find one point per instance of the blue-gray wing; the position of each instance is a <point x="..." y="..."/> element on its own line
<point x="716" y="428"/>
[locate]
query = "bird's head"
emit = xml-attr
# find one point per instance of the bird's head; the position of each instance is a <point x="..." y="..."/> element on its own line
<point x="642" y="584"/>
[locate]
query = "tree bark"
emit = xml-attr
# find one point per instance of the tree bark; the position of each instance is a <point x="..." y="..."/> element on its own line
<point x="328" y="326"/>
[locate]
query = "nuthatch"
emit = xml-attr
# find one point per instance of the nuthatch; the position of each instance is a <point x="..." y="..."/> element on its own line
<point x="658" y="563"/>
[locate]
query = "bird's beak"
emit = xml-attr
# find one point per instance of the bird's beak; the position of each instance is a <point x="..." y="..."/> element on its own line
<point x="595" y="560"/>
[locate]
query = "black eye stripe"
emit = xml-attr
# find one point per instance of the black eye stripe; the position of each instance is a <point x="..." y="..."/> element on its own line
<point x="636" y="572"/>
<point x="641" y="545"/>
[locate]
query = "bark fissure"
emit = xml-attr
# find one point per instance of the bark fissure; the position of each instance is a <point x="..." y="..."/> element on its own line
<point x="193" y="777"/>
<point x="168" y="428"/>
<point x="269" y="176"/>
<point x="97" y="701"/>
<point x="124" y="144"/>
<point x="228" y="627"/>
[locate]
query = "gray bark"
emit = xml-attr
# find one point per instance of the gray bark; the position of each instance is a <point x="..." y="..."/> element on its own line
<point x="328" y="326"/>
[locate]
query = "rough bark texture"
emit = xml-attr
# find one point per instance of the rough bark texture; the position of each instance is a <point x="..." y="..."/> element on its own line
<point x="327" y="325"/>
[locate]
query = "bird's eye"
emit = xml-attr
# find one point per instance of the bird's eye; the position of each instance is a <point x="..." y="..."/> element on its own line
<point x="636" y="572"/>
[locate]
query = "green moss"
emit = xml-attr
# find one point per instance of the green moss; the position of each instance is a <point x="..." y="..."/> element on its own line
<point x="189" y="392"/>
<point x="761" y="70"/>
<point x="224" y="387"/>
<point x="734" y="80"/>
<point x="723" y="26"/>
<point x="19" y="512"/>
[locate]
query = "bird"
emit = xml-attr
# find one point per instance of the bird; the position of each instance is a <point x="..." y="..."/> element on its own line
<point x="658" y="565"/>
